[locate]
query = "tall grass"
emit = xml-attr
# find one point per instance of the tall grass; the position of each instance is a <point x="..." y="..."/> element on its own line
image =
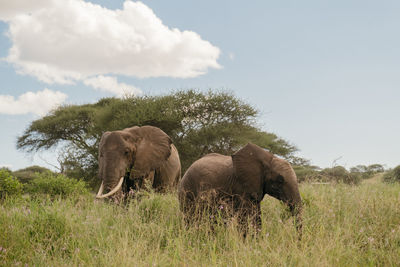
<point x="343" y="226"/>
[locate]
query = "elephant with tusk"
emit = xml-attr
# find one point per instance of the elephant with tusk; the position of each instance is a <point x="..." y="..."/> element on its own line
<point x="133" y="155"/>
<point x="239" y="183"/>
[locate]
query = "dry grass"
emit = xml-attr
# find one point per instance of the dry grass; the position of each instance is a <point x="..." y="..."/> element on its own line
<point x="377" y="178"/>
<point x="343" y="226"/>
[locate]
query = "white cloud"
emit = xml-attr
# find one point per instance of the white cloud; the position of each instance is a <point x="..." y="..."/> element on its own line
<point x="11" y="8"/>
<point x="38" y="103"/>
<point x="72" y="40"/>
<point x="110" y="84"/>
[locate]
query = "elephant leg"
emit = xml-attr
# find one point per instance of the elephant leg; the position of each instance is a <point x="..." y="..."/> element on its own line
<point x="148" y="180"/>
<point x="161" y="182"/>
<point x="257" y="217"/>
<point x="243" y="225"/>
<point x="129" y="186"/>
<point x="187" y="206"/>
<point x="241" y="212"/>
<point x="249" y="216"/>
<point x="188" y="216"/>
<point x="157" y="185"/>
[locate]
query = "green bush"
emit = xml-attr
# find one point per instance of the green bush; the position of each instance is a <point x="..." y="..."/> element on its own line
<point x="307" y="174"/>
<point x="339" y="174"/>
<point x="392" y="175"/>
<point x="9" y="185"/>
<point x="27" y="174"/>
<point x="55" y="185"/>
<point x="366" y="172"/>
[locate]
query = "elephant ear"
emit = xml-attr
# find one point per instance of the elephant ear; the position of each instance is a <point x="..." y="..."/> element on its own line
<point x="249" y="166"/>
<point x="153" y="149"/>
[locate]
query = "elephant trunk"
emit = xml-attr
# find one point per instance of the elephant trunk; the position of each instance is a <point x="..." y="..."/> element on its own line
<point x="109" y="185"/>
<point x="110" y="172"/>
<point x="296" y="208"/>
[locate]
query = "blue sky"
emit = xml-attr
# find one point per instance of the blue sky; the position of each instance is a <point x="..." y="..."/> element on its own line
<point x="324" y="74"/>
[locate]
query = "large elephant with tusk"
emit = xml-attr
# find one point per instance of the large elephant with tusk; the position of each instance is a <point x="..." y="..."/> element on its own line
<point x="129" y="157"/>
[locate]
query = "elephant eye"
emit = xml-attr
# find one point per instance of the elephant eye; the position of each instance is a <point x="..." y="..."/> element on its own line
<point x="280" y="179"/>
<point x="127" y="152"/>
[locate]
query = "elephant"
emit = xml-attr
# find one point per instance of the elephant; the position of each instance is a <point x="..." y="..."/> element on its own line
<point x="133" y="155"/>
<point x="238" y="184"/>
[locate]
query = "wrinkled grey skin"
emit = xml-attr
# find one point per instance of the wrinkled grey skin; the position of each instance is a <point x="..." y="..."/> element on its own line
<point x="240" y="182"/>
<point x="138" y="153"/>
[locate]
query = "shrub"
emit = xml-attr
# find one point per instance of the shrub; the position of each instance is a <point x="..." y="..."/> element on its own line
<point x="339" y="174"/>
<point x="5" y="169"/>
<point x="307" y="174"/>
<point x="9" y="185"/>
<point x="392" y="175"/>
<point x="27" y="174"/>
<point x="56" y="184"/>
<point x="366" y="172"/>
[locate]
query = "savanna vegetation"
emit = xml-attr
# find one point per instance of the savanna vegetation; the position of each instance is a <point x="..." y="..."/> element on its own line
<point x="343" y="226"/>
<point x="48" y="184"/>
<point x="393" y="175"/>
<point x="351" y="217"/>
<point x="27" y="174"/>
<point x="337" y="174"/>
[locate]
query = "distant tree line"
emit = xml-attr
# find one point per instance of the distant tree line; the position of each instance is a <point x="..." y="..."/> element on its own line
<point x="338" y="174"/>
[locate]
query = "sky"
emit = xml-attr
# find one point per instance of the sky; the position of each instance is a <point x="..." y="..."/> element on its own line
<point x="323" y="74"/>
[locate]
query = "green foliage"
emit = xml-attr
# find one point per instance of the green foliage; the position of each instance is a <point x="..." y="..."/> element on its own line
<point x="27" y="174"/>
<point x="307" y="173"/>
<point x="377" y="168"/>
<point x="361" y="224"/>
<point x="52" y="184"/>
<point x="392" y="175"/>
<point x="198" y="123"/>
<point x="9" y="185"/>
<point x="6" y="169"/>
<point x="339" y="174"/>
<point x="366" y="172"/>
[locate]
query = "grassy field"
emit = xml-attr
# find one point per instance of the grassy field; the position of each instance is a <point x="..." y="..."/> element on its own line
<point x="343" y="226"/>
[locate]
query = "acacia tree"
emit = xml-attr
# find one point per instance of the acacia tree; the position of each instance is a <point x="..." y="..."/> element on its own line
<point x="198" y="123"/>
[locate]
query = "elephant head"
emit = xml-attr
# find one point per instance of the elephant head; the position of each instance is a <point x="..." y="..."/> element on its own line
<point x="132" y="153"/>
<point x="258" y="169"/>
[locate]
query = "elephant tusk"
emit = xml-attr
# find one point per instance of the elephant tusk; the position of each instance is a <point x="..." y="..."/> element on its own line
<point x="118" y="187"/>
<point x="100" y="190"/>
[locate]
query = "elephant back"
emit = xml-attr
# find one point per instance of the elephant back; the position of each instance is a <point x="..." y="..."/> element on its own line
<point x="211" y="171"/>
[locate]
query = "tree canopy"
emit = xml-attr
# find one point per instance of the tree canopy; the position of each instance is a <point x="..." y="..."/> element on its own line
<point x="198" y="123"/>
